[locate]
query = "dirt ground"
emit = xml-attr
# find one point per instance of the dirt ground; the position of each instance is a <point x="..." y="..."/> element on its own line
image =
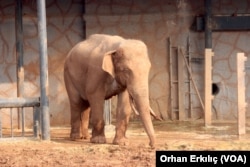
<point x="60" y="151"/>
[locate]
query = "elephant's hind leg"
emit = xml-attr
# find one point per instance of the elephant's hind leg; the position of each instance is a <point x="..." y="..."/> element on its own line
<point x="85" y="122"/>
<point x="76" y="107"/>
<point x="76" y="110"/>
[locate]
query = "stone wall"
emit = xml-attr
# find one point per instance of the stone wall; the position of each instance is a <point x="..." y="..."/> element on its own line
<point x="153" y="22"/>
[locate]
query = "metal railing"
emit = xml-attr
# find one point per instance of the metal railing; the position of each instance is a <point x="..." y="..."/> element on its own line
<point x="22" y="103"/>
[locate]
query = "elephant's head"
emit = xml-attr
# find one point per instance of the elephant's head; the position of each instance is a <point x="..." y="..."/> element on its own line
<point x="129" y="65"/>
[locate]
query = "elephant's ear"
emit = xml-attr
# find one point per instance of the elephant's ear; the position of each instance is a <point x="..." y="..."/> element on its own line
<point x="107" y="63"/>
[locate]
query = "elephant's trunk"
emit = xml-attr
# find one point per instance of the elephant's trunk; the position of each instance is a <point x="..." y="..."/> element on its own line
<point x="141" y="101"/>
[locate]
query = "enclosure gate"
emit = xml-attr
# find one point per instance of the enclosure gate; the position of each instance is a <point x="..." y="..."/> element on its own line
<point x="40" y="105"/>
<point x="21" y="103"/>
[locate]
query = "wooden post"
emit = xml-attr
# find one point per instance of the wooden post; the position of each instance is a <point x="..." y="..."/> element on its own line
<point x="208" y="87"/>
<point x="241" y="93"/>
<point x="181" y="86"/>
<point x="172" y="112"/>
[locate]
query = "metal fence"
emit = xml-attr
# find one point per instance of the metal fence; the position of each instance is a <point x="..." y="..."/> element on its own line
<point x="40" y="105"/>
<point x="21" y="103"/>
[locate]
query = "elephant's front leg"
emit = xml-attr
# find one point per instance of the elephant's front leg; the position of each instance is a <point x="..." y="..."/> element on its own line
<point x="97" y="120"/>
<point x="122" y="118"/>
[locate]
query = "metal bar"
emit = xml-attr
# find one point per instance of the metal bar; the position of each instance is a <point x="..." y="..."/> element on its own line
<point x="229" y="23"/>
<point x="44" y="83"/>
<point x="36" y="120"/>
<point x="225" y="23"/>
<point x="83" y="19"/>
<point x="23" y="121"/>
<point x="19" y="102"/>
<point x="19" y="52"/>
<point x="208" y="24"/>
<point x="19" y="46"/>
<point x="11" y="123"/>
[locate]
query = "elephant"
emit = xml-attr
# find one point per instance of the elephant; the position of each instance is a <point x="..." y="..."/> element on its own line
<point x="98" y="68"/>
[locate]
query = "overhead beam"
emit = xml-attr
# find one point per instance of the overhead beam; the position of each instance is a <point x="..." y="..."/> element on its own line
<point x="225" y="23"/>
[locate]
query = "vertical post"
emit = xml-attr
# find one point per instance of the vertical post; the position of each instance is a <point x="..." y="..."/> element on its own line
<point x="240" y="60"/>
<point x="107" y="112"/>
<point x="171" y="77"/>
<point x="36" y="121"/>
<point x="84" y="22"/>
<point x="190" y="114"/>
<point x="208" y="24"/>
<point x="11" y="123"/>
<point x="19" y="52"/>
<point x="208" y="86"/>
<point x="181" y="86"/>
<point x="208" y="63"/>
<point x="23" y="121"/>
<point x="44" y="83"/>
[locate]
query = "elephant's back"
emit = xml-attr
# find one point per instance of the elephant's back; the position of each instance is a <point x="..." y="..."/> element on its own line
<point x="91" y="51"/>
<point x="104" y="43"/>
<point x="95" y="45"/>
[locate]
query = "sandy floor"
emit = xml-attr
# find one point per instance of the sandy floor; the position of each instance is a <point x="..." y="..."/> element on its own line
<point x="60" y="151"/>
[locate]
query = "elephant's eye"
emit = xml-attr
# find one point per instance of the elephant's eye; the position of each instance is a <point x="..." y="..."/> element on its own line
<point x="126" y="70"/>
<point x="123" y="69"/>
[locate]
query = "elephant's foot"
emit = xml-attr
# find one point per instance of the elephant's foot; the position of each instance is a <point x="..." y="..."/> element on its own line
<point x="75" y="136"/>
<point x="85" y="137"/>
<point x="78" y="137"/>
<point x="121" y="141"/>
<point x="98" y="139"/>
<point x="85" y="134"/>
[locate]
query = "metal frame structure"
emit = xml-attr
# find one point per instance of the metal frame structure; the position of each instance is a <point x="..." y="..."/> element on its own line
<point x="40" y="105"/>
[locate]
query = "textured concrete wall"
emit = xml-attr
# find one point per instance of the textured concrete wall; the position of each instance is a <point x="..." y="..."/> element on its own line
<point x="64" y="29"/>
<point x="154" y="22"/>
<point x="151" y="21"/>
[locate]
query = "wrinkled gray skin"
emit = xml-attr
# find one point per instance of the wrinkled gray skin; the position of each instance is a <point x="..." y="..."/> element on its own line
<point x="98" y="68"/>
